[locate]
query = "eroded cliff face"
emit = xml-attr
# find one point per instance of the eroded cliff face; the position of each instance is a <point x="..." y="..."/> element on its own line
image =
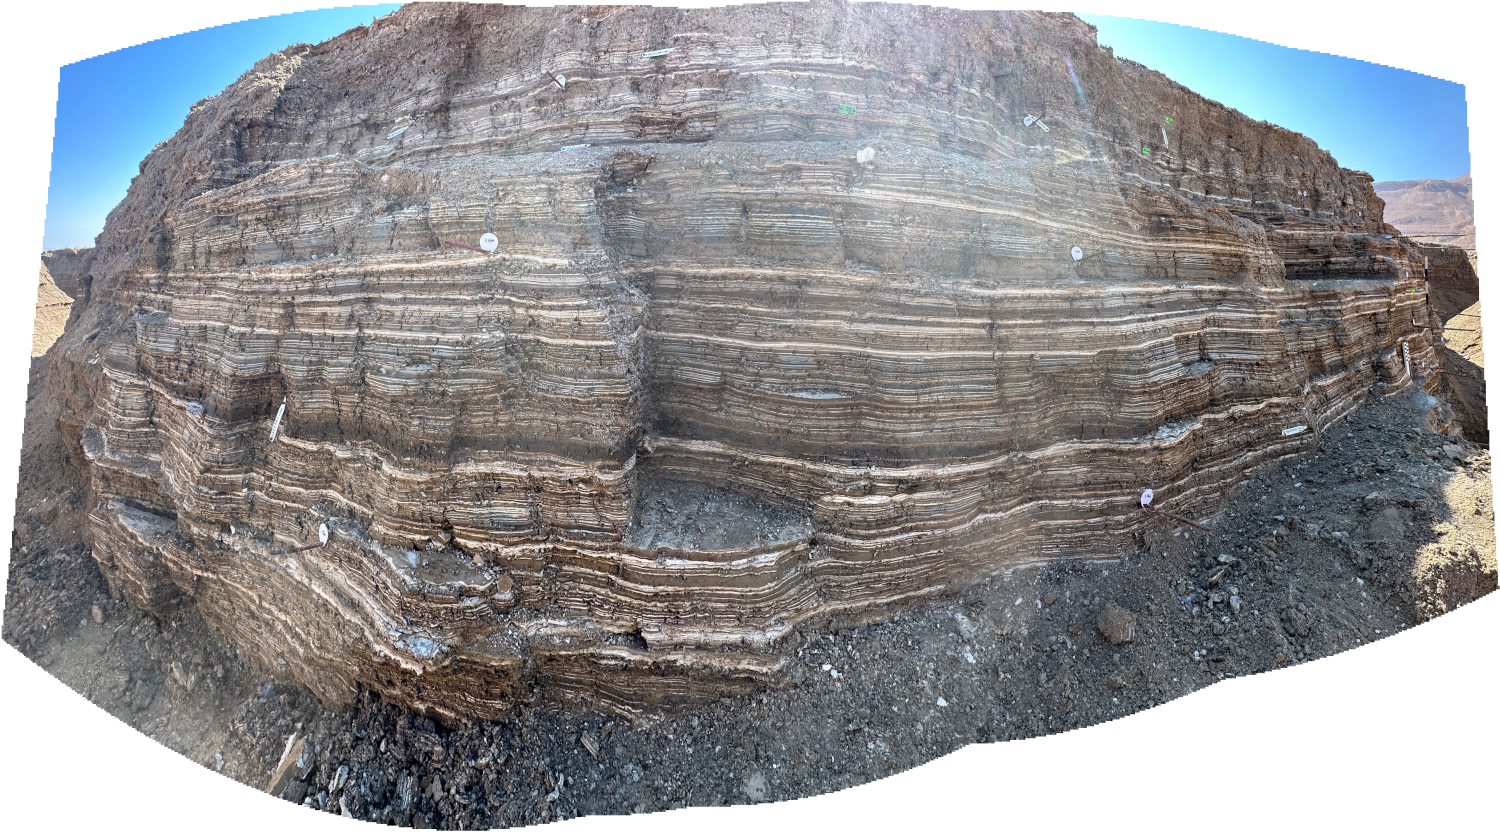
<point x="724" y="375"/>
<point x="69" y="268"/>
<point x="1452" y="278"/>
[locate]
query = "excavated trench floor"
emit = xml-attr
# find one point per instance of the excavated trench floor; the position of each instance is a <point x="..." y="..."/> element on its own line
<point x="688" y="516"/>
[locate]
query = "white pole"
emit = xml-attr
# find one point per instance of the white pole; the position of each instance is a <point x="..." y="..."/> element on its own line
<point x="276" y="425"/>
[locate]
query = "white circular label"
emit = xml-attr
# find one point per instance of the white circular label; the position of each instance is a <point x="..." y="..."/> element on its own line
<point x="322" y="533"/>
<point x="1146" y="497"/>
<point x="1077" y="253"/>
<point x="489" y="242"/>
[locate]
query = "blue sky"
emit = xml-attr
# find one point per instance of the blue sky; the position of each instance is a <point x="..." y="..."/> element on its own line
<point x="1390" y="123"/>
<point x="1393" y="124"/>
<point x="112" y="109"/>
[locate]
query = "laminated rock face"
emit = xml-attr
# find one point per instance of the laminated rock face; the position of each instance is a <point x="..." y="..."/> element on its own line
<point x="784" y="325"/>
<point x="1452" y="279"/>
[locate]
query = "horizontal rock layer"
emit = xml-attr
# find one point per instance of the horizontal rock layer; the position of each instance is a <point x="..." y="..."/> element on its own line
<point x="721" y="378"/>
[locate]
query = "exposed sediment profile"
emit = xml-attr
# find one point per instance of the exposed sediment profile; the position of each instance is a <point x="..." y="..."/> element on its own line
<point x="726" y="374"/>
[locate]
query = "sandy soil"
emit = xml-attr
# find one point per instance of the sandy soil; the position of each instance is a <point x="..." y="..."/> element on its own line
<point x="1383" y="526"/>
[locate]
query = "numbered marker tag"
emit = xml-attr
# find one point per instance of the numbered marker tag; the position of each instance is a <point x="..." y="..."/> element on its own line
<point x="322" y="533"/>
<point x="1169" y="119"/>
<point x="489" y="242"/>
<point x="1077" y="253"/>
<point x="1028" y="121"/>
<point x="1146" y="497"/>
<point x="562" y="81"/>
<point x="846" y="109"/>
<point x="1145" y="151"/>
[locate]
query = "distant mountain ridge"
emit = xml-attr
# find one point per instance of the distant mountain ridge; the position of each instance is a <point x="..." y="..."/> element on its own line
<point x="1433" y="210"/>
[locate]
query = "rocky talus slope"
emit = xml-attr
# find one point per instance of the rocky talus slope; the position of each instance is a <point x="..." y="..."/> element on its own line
<point x="798" y="314"/>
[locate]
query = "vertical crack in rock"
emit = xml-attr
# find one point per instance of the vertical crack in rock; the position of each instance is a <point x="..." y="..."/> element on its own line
<point x="784" y="324"/>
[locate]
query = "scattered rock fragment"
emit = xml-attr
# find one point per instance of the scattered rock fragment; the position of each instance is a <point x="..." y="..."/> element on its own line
<point x="288" y="765"/>
<point x="97" y="613"/>
<point x="432" y="786"/>
<point x="755" y="786"/>
<point x="1117" y="624"/>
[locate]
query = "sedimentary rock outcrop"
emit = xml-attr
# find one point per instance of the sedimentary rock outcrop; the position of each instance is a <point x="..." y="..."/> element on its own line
<point x="796" y="312"/>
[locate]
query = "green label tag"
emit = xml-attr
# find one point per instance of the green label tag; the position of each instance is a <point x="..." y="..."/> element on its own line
<point x="1169" y="119"/>
<point x="846" y="109"/>
<point x="1145" y="151"/>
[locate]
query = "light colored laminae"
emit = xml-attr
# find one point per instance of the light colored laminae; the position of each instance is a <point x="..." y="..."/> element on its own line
<point x="723" y="377"/>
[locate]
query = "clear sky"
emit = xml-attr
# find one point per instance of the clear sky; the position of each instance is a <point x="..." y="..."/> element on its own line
<point x="114" y="108"/>
<point x="1391" y="123"/>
